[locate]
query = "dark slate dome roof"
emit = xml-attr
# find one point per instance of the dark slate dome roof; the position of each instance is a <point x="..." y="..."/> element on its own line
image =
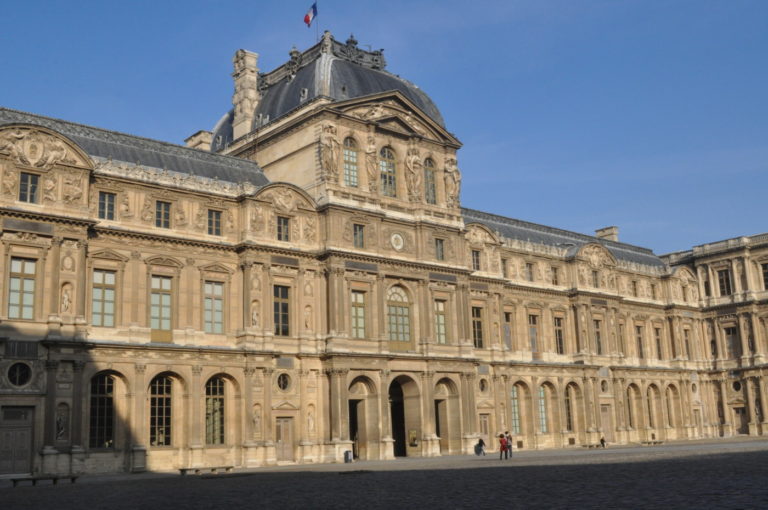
<point x="330" y="70"/>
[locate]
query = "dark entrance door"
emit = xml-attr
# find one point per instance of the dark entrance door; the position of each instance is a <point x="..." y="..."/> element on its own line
<point x="16" y="439"/>
<point x="354" y="426"/>
<point x="397" y="412"/>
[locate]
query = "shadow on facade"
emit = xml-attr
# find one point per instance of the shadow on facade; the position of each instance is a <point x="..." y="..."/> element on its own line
<point x="61" y="412"/>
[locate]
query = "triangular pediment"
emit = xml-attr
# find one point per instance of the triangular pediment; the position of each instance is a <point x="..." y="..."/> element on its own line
<point x="392" y="110"/>
<point x="285" y="197"/>
<point x="109" y="255"/>
<point x="216" y="268"/>
<point x="285" y="406"/>
<point x="485" y="404"/>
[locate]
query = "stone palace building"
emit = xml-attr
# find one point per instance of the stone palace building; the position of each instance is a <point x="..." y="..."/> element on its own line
<point x="165" y="306"/>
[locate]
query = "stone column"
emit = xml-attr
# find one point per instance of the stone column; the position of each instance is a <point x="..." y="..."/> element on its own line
<point x="77" y="404"/>
<point x="338" y="404"/>
<point x="387" y="443"/>
<point x="761" y="390"/>
<point x="268" y="425"/>
<point x="140" y="422"/>
<point x="194" y="426"/>
<point x="49" y="430"/>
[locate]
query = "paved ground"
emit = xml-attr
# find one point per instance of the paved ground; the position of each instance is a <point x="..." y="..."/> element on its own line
<point x="721" y="474"/>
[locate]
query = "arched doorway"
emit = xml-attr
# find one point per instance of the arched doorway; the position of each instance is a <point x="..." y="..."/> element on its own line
<point x="405" y="416"/>
<point x="447" y="425"/>
<point x="363" y="418"/>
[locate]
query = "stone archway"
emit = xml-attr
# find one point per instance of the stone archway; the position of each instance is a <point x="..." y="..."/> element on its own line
<point x="363" y="418"/>
<point x="405" y="415"/>
<point x="447" y="422"/>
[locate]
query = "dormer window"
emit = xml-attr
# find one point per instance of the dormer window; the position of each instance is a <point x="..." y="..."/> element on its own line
<point x="387" y="171"/>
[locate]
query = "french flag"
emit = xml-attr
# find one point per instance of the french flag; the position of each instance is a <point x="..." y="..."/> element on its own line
<point x="310" y="15"/>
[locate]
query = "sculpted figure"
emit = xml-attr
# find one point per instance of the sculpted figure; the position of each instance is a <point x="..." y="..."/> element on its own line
<point x="330" y="152"/>
<point x="125" y="207"/>
<point x="371" y="164"/>
<point x="9" y="182"/>
<point x="49" y="189"/>
<point x="452" y="183"/>
<point x="413" y="170"/>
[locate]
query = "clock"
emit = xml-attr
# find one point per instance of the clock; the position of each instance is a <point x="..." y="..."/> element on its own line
<point x="397" y="241"/>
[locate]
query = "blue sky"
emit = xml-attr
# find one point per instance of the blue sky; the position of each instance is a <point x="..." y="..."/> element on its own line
<point x="650" y="115"/>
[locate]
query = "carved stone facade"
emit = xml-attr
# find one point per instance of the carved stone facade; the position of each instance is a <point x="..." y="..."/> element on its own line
<point x="214" y="312"/>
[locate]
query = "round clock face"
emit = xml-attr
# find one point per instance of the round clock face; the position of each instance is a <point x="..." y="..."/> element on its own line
<point x="397" y="241"/>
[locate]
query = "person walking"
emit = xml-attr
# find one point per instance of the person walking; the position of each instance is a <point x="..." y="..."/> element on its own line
<point x="480" y="447"/>
<point x="508" y="437"/>
<point x="502" y="446"/>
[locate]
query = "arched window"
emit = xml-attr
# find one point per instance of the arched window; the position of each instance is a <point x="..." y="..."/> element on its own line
<point x="102" y="412"/>
<point x="160" y="402"/>
<point x="398" y="315"/>
<point x="387" y="171"/>
<point x="670" y="408"/>
<point x="569" y="408"/>
<point x="543" y="420"/>
<point x="350" y="162"/>
<point x="214" y="411"/>
<point x="651" y="421"/>
<point x="630" y="403"/>
<point x="430" y="190"/>
<point x="515" y="411"/>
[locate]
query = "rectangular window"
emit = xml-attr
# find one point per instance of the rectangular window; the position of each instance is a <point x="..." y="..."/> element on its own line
<point x="504" y="268"/>
<point x="283" y="228"/>
<point x="622" y="339"/>
<point x="439" y="249"/>
<point x="533" y="332"/>
<point x="596" y="324"/>
<point x="350" y="163"/>
<point x="559" y="336"/>
<point x="508" y="329"/>
<point x="162" y="214"/>
<point x="430" y="190"/>
<point x="529" y="271"/>
<point x="687" y="341"/>
<point x="634" y="288"/>
<point x="657" y="339"/>
<point x="358" y="235"/>
<point x="102" y="415"/>
<point x="639" y="339"/>
<point x="213" y="307"/>
<point x="106" y="205"/>
<point x="724" y="279"/>
<point x="281" y="310"/>
<point x="28" y="187"/>
<point x="475" y="260"/>
<point x="214" y="222"/>
<point x="214" y="411"/>
<point x="21" y="289"/>
<point x="596" y="279"/>
<point x="441" y="335"/>
<point x="653" y="291"/>
<point x="477" y="326"/>
<point x="358" y="314"/>
<point x="103" y="299"/>
<point x="388" y="181"/>
<point x="160" y="303"/>
<point x="765" y="276"/>
<point x="485" y="428"/>
<point x="515" y="411"/>
<point x="543" y="410"/>
<point x="555" y="276"/>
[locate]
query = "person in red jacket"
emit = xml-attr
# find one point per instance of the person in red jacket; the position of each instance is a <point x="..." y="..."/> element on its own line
<point x="502" y="446"/>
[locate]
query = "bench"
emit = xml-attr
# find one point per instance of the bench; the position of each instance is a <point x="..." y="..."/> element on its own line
<point x="592" y="445"/>
<point x="34" y="479"/>
<point x="651" y="443"/>
<point x="208" y="469"/>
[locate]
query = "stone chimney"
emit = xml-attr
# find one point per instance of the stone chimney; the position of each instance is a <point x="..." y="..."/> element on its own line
<point x="200" y="140"/>
<point x="246" y="96"/>
<point x="608" y="233"/>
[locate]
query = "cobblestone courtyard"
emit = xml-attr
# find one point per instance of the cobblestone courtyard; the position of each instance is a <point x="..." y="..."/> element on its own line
<point x="732" y="474"/>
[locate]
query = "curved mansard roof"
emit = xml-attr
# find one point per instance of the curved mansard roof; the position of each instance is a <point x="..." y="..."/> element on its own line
<point x="101" y="143"/>
<point x="572" y="241"/>
<point x="329" y="70"/>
